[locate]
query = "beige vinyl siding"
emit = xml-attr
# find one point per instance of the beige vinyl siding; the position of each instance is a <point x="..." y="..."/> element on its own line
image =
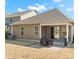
<point x="12" y="20"/>
<point x="16" y="31"/>
<point x="29" y="31"/>
<point x="27" y="15"/>
<point x="15" y="19"/>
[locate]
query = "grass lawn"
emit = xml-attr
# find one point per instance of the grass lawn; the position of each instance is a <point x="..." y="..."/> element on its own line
<point x="23" y="52"/>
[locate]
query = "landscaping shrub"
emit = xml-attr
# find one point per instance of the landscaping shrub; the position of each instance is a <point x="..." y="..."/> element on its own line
<point x="6" y="33"/>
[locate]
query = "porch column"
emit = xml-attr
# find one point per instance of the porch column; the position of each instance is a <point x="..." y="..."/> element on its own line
<point x="67" y="32"/>
<point x="11" y="30"/>
<point x="40" y="32"/>
<point x="72" y="32"/>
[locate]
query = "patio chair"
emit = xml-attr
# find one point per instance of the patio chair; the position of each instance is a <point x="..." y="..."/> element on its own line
<point x="65" y="42"/>
<point x="43" y="42"/>
<point x="12" y="37"/>
<point x="73" y="40"/>
<point x="46" y="41"/>
<point x="50" y="41"/>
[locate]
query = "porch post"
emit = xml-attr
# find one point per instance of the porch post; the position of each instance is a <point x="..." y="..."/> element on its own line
<point x="40" y="32"/>
<point x="11" y="30"/>
<point x="72" y="33"/>
<point x="67" y="32"/>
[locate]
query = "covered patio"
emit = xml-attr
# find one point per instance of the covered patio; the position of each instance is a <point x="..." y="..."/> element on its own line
<point x="57" y="32"/>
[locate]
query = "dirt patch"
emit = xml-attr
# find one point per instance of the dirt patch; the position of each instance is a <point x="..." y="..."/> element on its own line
<point x="21" y="52"/>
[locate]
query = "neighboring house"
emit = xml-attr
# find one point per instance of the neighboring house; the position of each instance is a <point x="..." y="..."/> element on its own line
<point x="53" y="24"/>
<point x="11" y="18"/>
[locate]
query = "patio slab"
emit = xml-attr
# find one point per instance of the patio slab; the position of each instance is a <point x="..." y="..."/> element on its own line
<point x="35" y="44"/>
<point x="47" y="47"/>
<point x="21" y="42"/>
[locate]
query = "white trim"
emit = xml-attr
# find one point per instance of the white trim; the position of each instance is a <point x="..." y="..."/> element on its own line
<point x="40" y="32"/>
<point x="55" y="24"/>
<point x="11" y="30"/>
<point x="67" y="31"/>
<point x="72" y="32"/>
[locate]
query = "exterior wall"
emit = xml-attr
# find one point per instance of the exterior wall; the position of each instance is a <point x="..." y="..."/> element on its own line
<point x="21" y="17"/>
<point x="29" y="31"/>
<point x="15" y="19"/>
<point x="27" y="15"/>
<point x="12" y="20"/>
<point x="62" y="31"/>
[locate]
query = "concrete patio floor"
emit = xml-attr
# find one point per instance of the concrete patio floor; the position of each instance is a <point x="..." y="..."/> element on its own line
<point x="35" y="44"/>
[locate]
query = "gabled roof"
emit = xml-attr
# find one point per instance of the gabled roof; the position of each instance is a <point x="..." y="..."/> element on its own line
<point x="18" y="13"/>
<point x="53" y="16"/>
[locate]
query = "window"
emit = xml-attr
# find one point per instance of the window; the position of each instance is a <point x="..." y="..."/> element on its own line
<point x="36" y="30"/>
<point x="22" y="31"/>
<point x="56" y="31"/>
<point x="64" y="30"/>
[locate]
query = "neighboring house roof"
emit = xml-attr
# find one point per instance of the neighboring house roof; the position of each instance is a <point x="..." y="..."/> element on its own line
<point x="17" y="14"/>
<point x="53" y="16"/>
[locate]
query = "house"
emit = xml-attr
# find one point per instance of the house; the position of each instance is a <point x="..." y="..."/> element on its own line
<point x="11" y="18"/>
<point x="53" y="24"/>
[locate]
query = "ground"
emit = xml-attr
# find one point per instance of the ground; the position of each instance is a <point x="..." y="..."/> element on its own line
<point x="16" y="51"/>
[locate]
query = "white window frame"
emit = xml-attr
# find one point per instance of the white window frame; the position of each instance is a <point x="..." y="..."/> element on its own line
<point x="56" y="32"/>
<point x="36" y="31"/>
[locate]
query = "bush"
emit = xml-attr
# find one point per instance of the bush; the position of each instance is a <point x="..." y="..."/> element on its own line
<point x="6" y="33"/>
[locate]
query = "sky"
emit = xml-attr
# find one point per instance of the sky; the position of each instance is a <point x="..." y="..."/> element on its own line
<point x="41" y="6"/>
